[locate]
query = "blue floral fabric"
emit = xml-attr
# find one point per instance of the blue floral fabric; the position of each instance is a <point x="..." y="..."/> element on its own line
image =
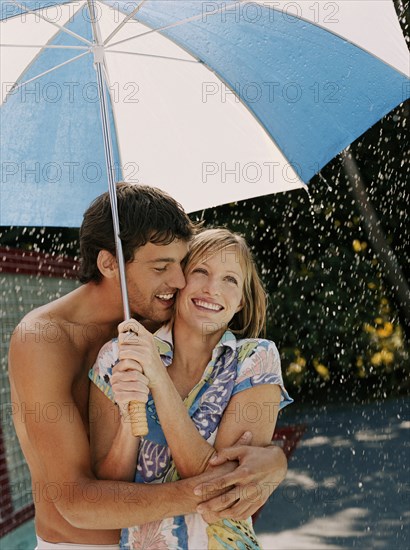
<point x="235" y="366"/>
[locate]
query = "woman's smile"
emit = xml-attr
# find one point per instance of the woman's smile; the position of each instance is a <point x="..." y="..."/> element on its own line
<point x="204" y="303"/>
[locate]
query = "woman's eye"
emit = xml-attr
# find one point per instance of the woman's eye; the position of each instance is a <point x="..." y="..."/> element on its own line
<point x="232" y="280"/>
<point x="199" y="270"/>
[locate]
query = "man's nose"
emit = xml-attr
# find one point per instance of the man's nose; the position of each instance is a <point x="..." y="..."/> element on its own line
<point x="178" y="280"/>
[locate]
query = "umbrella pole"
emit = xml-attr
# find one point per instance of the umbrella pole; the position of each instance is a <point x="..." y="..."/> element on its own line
<point x="112" y="191"/>
<point x="98" y="51"/>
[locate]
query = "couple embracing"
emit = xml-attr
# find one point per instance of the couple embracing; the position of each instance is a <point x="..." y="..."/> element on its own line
<point x="192" y="353"/>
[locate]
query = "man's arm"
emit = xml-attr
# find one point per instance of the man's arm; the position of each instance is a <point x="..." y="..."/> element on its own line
<point x="114" y="450"/>
<point x="41" y="376"/>
<point x="260" y="472"/>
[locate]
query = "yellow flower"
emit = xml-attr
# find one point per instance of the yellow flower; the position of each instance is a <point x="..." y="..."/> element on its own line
<point x="372" y="286"/>
<point x="301" y="361"/>
<point x="294" y="368"/>
<point x="385" y="307"/>
<point x="386" y="331"/>
<point x="387" y="356"/>
<point x="363" y="245"/>
<point x="357" y="247"/>
<point x="361" y="371"/>
<point x="378" y="321"/>
<point x="377" y="359"/>
<point x="368" y="328"/>
<point x="322" y="371"/>
<point x="396" y="341"/>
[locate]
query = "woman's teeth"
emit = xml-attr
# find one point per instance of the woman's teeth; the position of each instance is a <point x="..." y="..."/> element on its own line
<point x="207" y="305"/>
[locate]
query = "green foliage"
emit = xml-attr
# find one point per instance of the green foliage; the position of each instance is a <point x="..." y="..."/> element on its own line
<point x="332" y="314"/>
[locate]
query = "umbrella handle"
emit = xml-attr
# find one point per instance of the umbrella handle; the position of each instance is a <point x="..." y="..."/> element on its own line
<point x="138" y="418"/>
<point x="137" y="414"/>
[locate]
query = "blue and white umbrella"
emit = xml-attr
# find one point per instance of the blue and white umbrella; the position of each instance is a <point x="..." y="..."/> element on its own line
<point x="212" y="101"/>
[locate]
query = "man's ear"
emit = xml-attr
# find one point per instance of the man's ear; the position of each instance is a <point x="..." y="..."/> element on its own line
<point x="107" y="264"/>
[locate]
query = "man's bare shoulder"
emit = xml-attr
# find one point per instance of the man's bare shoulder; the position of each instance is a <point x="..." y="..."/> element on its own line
<point x="47" y="335"/>
<point x="47" y="324"/>
<point x="39" y="344"/>
<point x="66" y="333"/>
<point x="70" y="320"/>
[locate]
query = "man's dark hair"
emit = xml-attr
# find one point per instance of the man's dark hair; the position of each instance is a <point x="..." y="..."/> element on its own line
<point x="146" y="214"/>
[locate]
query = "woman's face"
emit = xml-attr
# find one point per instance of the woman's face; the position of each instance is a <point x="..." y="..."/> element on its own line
<point x="213" y="292"/>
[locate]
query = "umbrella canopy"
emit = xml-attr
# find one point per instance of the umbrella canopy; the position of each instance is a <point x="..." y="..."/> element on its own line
<point x="212" y="101"/>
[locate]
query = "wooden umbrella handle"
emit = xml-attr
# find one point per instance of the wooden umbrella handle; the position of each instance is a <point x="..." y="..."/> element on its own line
<point x="138" y="418"/>
<point x="137" y="410"/>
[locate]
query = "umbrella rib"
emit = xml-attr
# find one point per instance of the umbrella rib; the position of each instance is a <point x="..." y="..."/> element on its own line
<point x="120" y="26"/>
<point x="63" y="29"/>
<point x="196" y="61"/>
<point x="178" y="23"/>
<point x="14" y="88"/>
<point x="95" y="27"/>
<point x="43" y="47"/>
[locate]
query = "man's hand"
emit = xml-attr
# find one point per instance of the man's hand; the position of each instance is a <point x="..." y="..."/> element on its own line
<point x="258" y="474"/>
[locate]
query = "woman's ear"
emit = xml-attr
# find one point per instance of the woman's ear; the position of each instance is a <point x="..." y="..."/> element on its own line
<point x="107" y="264"/>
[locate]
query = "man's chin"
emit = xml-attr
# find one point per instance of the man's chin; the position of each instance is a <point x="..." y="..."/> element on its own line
<point x="155" y="319"/>
<point x="152" y="326"/>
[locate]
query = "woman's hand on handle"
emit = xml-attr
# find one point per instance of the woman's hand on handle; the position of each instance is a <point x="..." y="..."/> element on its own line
<point x="128" y="380"/>
<point x="128" y="384"/>
<point x="138" y="346"/>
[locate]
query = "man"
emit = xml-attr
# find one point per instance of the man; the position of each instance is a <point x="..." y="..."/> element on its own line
<point x="53" y="349"/>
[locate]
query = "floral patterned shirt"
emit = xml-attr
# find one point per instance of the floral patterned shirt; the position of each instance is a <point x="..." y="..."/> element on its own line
<point x="235" y="366"/>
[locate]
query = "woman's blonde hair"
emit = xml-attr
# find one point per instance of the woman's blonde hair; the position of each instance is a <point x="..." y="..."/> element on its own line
<point x="249" y="322"/>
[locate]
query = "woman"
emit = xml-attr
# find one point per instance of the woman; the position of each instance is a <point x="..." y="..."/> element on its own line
<point x="219" y="381"/>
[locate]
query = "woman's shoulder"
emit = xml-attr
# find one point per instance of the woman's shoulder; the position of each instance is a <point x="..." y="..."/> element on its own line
<point x="258" y="363"/>
<point x="251" y="346"/>
<point x="257" y="355"/>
